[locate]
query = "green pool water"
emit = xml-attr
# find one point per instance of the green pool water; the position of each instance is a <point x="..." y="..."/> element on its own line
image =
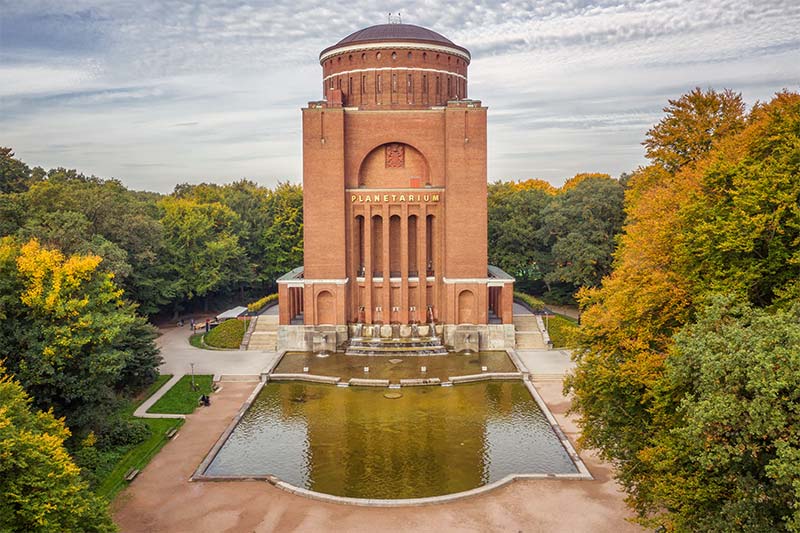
<point x="395" y="368"/>
<point x="354" y="442"/>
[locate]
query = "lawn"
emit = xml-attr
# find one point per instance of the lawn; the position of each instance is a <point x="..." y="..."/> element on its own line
<point x="562" y="331"/>
<point x="196" y="340"/>
<point x="227" y="335"/>
<point x="138" y="456"/>
<point x="110" y="482"/>
<point x="181" y="399"/>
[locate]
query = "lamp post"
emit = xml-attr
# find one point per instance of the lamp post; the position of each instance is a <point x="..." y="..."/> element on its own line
<point x="194" y="387"/>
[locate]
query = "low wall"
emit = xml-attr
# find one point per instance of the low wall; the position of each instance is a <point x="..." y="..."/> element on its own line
<point x="457" y="336"/>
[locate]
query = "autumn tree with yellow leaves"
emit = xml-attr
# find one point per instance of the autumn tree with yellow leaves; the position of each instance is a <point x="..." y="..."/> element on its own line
<point x="41" y="490"/>
<point x="688" y="372"/>
<point x="68" y="335"/>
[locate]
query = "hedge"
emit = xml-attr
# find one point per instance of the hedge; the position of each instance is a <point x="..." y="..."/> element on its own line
<point x="258" y="305"/>
<point x="535" y="304"/>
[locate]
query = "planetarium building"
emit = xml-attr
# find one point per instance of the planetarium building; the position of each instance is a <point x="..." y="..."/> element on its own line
<point x="394" y="184"/>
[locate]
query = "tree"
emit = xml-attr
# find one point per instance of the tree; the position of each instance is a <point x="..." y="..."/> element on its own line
<point x="121" y="226"/>
<point x="41" y="487"/>
<point x="707" y="217"/>
<point x="743" y="226"/>
<point x="203" y="252"/>
<point x="580" y="225"/>
<point x="726" y="454"/>
<point x="282" y="238"/>
<point x="16" y="176"/>
<point x="515" y="243"/>
<point x="65" y="331"/>
<point x="694" y="124"/>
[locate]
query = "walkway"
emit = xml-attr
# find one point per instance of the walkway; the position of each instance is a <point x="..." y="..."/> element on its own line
<point x="178" y="354"/>
<point x="162" y="498"/>
<point x="141" y="411"/>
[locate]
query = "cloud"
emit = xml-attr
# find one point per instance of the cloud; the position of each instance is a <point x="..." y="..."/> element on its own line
<point x="159" y="92"/>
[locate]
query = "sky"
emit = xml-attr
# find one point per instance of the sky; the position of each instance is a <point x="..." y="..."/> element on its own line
<point x="156" y="93"/>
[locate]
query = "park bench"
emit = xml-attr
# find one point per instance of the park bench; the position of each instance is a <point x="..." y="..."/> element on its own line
<point x="171" y="432"/>
<point x="132" y="473"/>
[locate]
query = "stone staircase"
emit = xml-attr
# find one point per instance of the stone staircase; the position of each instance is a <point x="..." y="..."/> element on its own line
<point x="265" y="335"/>
<point x="527" y="334"/>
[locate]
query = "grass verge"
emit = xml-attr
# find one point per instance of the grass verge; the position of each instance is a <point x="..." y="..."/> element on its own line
<point x="227" y="335"/>
<point x="562" y="331"/>
<point x="196" y="340"/>
<point x="181" y="399"/>
<point x="138" y="456"/>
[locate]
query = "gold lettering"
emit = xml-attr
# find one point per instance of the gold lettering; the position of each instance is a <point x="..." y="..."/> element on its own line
<point x="426" y="197"/>
<point x="435" y="198"/>
<point x="394" y="198"/>
<point x="402" y="197"/>
<point x="376" y="198"/>
<point x="367" y="199"/>
<point x="385" y="197"/>
<point x="353" y="198"/>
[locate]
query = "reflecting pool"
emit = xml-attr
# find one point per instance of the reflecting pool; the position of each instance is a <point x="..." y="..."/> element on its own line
<point x="356" y="442"/>
<point x="394" y="368"/>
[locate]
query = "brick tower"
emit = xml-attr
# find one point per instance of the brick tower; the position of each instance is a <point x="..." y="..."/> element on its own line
<point x="394" y="188"/>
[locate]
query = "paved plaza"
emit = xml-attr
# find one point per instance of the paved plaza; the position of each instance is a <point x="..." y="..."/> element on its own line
<point x="163" y="499"/>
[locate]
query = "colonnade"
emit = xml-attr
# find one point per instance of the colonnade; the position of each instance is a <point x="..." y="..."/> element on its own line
<point x="395" y="258"/>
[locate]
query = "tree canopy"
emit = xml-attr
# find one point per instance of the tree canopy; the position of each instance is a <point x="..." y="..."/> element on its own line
<point x="707" y="219"/>
<point x="555" y="240"/>
<point x="41" y="487"/>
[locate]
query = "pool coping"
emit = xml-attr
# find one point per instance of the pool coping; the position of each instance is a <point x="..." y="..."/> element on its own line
<point x="583" y="473"/>
<point x="521" y="373"/>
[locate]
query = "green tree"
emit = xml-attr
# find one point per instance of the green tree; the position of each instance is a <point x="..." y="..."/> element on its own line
<point x="282" y="238"/>
<point x="515" y="219"/>
<point x="16" y="176"/>
<point x="67" y="334"/>
<point x="203" y="251"/>
<point x="121" y="226"/>
<point x="743" y="224"/>
<point x="40" y="487"/>
<point x="726" y="453"/>
<point x="580" y="226"/>
<point x="693" y="125"/>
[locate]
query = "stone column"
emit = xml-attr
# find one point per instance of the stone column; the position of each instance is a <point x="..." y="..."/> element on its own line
<point x="386" y="314"/>
<point x="368" y="264"/>
<point x="422" y="265"/>
<point x="403" y="303"/>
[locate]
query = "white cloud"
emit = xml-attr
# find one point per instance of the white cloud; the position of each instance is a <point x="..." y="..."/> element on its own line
<point x="159" y="92"/>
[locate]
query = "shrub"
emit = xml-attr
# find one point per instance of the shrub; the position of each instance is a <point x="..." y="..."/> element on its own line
<point x="258" y="305"/>
<point x="535" y="304"/>
<point x="122" y="431"/>
<point x="229" y="334"/>
<point x="562" y="331"/>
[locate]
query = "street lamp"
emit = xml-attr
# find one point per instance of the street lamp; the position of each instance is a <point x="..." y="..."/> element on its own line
<point x="194" y="387"/>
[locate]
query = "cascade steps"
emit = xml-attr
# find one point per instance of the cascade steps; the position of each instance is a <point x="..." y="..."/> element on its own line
<point x="265" y="334"/>
<point x="527" y="334"/>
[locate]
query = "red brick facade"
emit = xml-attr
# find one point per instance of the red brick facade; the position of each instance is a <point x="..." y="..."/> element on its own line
<point x="394" y="185"/>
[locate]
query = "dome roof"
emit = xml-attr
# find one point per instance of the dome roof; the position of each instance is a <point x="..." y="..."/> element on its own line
<point x="395" y="33"/>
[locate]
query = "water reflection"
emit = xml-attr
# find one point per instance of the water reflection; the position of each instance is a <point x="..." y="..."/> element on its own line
<point x="354" y="442"/>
